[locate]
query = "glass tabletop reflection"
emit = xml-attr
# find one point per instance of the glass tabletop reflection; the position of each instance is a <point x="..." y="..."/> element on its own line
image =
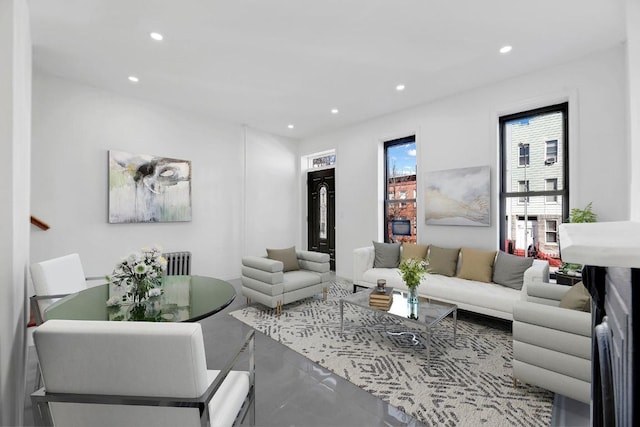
<point x="184" y="299"/>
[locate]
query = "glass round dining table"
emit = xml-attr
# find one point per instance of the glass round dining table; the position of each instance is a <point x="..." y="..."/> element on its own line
<point x="183" y="299"/>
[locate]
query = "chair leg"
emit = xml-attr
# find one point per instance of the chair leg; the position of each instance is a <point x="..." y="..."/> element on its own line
<point x="515" y="382"/>
<point x="278" y="308"/>
<point x="325" y="292"/>
<point x="38" y="380"/>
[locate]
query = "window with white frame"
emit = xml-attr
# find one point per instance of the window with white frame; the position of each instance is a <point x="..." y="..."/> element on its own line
<point x="523" y="187"/>
<point x="321" y="160"/>
<point x="523" y="156"/>
<point x="551" y="184"/>
<point x="551" y="231"/>
<point x="551" y="152"/>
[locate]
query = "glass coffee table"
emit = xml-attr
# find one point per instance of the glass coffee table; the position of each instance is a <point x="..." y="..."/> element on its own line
<point x="430" y="313"/>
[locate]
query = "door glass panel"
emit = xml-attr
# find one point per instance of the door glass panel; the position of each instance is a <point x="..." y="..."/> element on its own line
<point x="323" y="212"/>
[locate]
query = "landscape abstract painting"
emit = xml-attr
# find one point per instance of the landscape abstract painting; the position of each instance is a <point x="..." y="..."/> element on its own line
<point x="144" y="188"/>
<point x="458" y="197"/>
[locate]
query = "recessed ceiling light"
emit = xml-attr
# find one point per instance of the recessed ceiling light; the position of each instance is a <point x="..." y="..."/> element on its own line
<point x="334" y="111"/>
<point x="134" y="79"/>
<point x="400" y="88"/>
<point x="290" y="126"/>
<point x="156" y="36"/>
<point x="506" y="49"/>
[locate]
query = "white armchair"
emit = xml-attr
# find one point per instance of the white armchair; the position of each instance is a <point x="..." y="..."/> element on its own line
<point x="265" y="280"/>
<point x="552" y="345"/>
<point x="99" y="373"/>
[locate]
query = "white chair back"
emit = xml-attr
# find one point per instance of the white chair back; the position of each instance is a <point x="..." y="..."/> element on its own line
<point x="63" y="275"/>
<point x="125" y="359"/>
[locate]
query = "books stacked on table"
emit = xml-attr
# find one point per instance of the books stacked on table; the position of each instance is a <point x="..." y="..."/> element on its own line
<point x="381" y="300"/>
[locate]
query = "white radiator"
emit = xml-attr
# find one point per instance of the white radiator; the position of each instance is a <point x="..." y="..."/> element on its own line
<point x="178" y="263"/>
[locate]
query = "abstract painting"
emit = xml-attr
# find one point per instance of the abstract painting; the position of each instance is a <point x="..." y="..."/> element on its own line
<point x="145" y="188"/>
<point x="458" y="197"/>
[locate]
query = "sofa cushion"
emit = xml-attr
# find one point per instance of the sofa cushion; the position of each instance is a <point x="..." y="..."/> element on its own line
<point x="443" y="260"/>
<point x="470" y="292"/>
<point x="412" y="250"/>
<point x="509" y="269"/>
<point x="476" y="265"/>
<point x="300" y="279"/>
<point x="287" y="256"/>
<point x="577" y="298"/>
<point x="387" y="255"/>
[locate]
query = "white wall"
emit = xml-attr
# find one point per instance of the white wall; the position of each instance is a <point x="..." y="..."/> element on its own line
<point x="75" y="125"/>
<point x="272" y="209"/>
<point x="15" y="126"/>
<point x="633" y="74"/>
<point x="462" y="131"/>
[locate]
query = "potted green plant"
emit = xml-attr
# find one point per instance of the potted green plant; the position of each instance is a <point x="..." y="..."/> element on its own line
<point x="577" y="215"/>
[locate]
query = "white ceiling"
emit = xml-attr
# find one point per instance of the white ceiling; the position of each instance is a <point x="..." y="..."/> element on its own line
<point x="269" y="63"/>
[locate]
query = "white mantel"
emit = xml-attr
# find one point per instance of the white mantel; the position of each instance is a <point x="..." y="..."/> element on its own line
<point x="603" y="244"/>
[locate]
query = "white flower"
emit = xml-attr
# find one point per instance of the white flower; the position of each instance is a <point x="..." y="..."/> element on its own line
<point x="154" y="292"/>
<point x="141" y="268"/>
<point x="114" y="301"/>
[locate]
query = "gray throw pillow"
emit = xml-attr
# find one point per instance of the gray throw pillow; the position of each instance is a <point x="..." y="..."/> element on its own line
<point x="509" y="270"/>
<point x="443" y="260"/>
<point x="387" y="255"/>
<point x="287" y="256"/>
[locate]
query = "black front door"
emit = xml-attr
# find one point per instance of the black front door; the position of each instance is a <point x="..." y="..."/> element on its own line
<point x="321" y="218"/>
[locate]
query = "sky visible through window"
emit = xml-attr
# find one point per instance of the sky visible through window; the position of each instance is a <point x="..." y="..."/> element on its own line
<point x="403" y="157"/>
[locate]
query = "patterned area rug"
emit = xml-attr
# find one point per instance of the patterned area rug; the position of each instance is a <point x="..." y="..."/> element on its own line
<point x="466" y="385"/>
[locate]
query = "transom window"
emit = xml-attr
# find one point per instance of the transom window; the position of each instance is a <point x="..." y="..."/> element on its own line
<point x="321" y="160"/>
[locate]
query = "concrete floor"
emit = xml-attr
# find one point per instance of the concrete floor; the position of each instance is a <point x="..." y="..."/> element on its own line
<point x="293" y="391"/>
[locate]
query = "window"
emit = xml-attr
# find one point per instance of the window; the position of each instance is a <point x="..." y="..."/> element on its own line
<point x="551" y="232"/>
<point x="322" y="161"/>
<point x="523" y="156"/>
<point x="552" y="152"/>
<point x="523" y="187"/>
<point x="551" y="184"/>
<point x="323" y="212"/>
<point x="400" y="184"/>
<point x="534" y="189"/>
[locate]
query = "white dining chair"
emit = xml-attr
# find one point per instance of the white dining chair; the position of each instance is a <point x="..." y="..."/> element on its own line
<point x="53" y="279"/>
<point x="56" y="278"/>
<point x="101" y="373"/>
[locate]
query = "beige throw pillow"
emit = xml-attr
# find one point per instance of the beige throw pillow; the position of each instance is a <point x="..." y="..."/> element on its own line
<point x="412" y="250"/>
<point x="577" y="298"/>
<point x="476" y="265"/>
<point x="287" y="256"/>
<point x="443" y="260"/>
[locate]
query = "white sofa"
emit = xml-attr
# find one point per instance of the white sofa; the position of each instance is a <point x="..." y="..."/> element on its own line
<point x="485" y="298"/>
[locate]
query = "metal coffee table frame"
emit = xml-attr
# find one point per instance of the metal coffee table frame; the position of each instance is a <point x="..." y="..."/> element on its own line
<point x="430" y="313"/>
